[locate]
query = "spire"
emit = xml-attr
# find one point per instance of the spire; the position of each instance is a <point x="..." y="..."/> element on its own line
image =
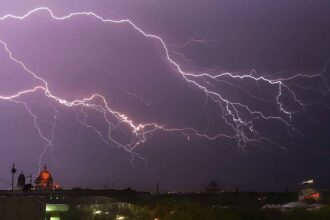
<point x="157" y="189"/>
<point x="45" y="167"/>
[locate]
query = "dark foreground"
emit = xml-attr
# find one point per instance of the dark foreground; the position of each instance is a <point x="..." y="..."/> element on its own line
<point x="131" y="205"/>
<point x="223" y="206"/>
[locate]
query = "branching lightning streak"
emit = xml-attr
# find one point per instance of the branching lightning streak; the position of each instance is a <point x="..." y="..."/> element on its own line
<point x="231" y="112"/>
<point x="147" y="103"/>
<point x="205" y="42"/>
<point x="109" y="141"/>
<point x="49" y="141"/>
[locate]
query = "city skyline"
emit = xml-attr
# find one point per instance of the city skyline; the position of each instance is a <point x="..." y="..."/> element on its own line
<point x="126" y="94"/>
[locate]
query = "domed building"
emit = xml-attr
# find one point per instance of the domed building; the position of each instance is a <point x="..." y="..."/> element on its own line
<point x="21" y="181"/>
<point x="44" y="180"/>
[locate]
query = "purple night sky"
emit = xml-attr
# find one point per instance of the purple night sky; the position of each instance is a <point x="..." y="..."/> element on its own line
<point x="238" y="93"/>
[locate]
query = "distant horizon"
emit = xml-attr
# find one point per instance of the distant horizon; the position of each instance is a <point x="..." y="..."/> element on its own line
<point x="126" y="93"/>
<point x="196" y="190"/>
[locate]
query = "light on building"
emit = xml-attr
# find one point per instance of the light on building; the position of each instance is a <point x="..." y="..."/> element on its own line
<point x="97" y="212"/>
<point x="57" y="208"/>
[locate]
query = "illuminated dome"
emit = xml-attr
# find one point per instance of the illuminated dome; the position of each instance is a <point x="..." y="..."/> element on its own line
<point x="44" y="180"/>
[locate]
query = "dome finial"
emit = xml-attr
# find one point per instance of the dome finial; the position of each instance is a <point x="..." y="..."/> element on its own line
<point x="45" y="167"/>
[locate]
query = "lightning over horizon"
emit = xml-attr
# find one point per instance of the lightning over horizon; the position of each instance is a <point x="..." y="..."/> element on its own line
<point x="240" y="115"/>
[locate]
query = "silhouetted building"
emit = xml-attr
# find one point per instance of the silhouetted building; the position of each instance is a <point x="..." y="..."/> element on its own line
<point x="212" y="187"/>
<point x="21" y="181"/>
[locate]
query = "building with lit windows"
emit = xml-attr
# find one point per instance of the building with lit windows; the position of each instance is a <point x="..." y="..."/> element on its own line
<point x="48" y="201"/>
<point x="44" y="181"/>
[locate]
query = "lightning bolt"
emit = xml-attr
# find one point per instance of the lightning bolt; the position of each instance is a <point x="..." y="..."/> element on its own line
<point x="240" y="118"/>
<point x="204" y="42"/>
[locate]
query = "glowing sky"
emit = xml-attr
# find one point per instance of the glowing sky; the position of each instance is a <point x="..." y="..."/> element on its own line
<point x="125" y="93"/>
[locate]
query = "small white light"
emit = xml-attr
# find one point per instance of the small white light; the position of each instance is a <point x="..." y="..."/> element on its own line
<point x="97" y="212"/>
